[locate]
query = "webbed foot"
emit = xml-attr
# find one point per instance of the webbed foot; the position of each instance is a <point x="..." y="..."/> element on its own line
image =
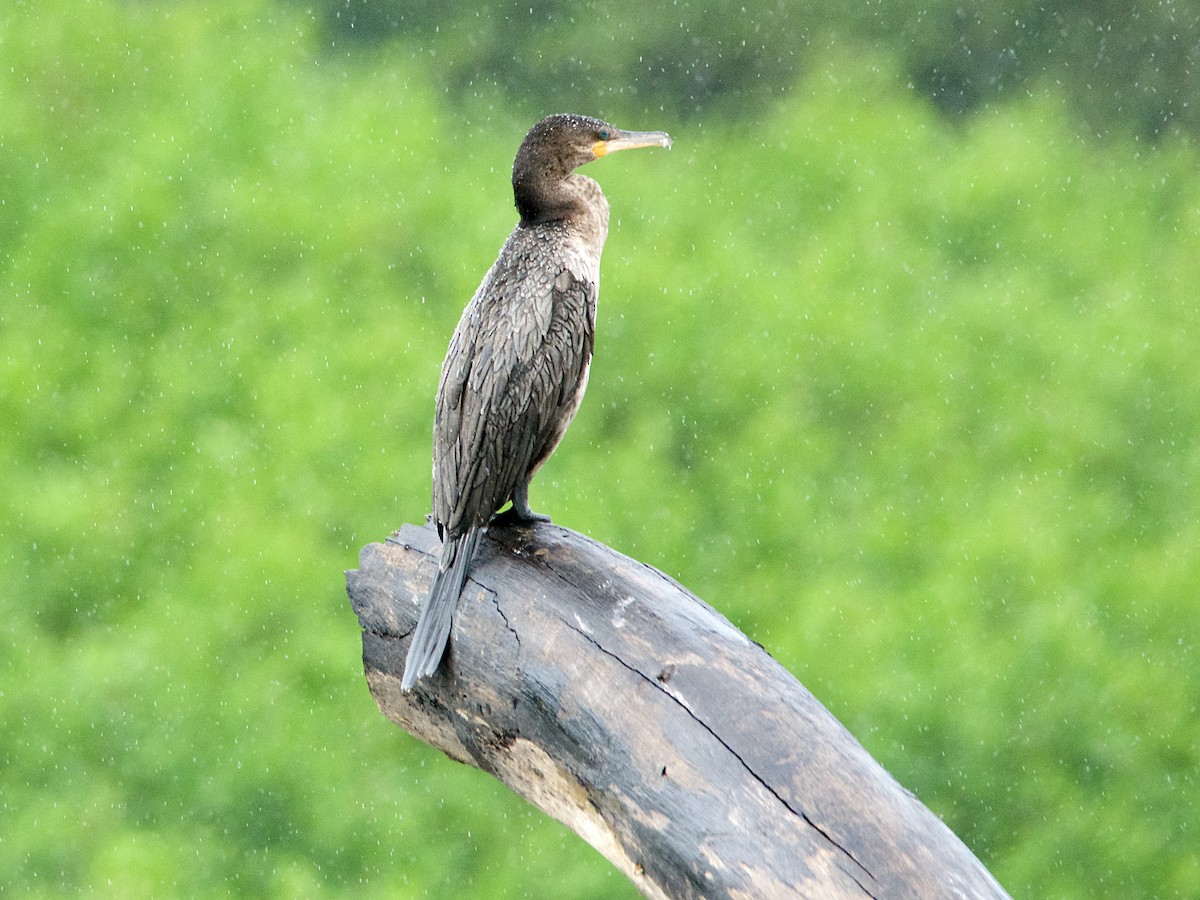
<point x="515" y="516"/>
<point x="520" y="511"/>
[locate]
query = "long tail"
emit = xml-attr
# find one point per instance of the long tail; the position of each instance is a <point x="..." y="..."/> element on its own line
<point x="433" y="627"/>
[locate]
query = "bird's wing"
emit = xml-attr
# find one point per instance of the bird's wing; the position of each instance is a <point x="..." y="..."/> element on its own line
<point x="512" y="373"/>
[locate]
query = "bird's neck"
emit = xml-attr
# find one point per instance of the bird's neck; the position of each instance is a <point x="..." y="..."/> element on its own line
<point x="575" y="199"/>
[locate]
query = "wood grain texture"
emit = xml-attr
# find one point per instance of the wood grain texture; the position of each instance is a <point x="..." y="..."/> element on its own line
<point x="631" y="711"/>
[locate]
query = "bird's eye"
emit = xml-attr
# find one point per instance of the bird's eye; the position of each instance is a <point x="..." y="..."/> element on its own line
<point x="604" y="134"/>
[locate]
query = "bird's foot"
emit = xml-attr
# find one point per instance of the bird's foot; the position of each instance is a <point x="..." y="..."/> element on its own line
<point x="518" y="515"/>
<point x="520" y="512"/>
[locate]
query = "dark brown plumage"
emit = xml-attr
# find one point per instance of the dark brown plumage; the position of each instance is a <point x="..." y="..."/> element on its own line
<point x="518" y="363"/>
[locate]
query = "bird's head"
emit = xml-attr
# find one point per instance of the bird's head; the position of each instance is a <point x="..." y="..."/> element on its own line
<point x="558" y="145"/>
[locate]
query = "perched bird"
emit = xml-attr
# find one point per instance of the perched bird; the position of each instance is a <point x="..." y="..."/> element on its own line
<point x="518" y="362"/>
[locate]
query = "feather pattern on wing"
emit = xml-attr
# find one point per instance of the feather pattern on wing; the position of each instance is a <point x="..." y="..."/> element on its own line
<point x="514" y="374"/>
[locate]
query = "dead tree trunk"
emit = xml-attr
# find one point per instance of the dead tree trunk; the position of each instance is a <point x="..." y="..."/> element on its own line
<point x="631" y="711"/>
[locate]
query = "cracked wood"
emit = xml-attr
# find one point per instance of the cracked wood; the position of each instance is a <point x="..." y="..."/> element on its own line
<point x="637" y="715"/>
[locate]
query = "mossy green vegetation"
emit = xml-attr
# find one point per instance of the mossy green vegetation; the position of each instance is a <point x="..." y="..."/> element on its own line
<point x="915" y="403"/>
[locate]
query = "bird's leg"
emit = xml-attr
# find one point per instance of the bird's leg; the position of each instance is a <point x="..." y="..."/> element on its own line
<point x="520" y="511"/>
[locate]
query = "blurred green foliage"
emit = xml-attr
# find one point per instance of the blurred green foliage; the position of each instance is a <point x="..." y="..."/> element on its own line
<point x="1124" y="64"/>
<point x="916" y="404"/>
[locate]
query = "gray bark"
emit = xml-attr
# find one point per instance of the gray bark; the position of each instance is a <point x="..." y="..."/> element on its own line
<point x="631" y="711"/>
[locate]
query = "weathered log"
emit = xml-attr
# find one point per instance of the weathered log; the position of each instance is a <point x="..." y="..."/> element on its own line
<point x="623" y="706"/>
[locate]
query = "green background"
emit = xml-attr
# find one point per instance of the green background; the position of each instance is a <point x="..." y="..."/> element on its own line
<point x="896" y="366"/>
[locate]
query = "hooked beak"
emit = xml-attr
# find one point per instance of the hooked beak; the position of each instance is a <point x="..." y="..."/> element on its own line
<point x="631" y="140"/>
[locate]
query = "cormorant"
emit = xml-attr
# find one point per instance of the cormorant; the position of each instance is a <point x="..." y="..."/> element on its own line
<point x="517" y="366"/>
